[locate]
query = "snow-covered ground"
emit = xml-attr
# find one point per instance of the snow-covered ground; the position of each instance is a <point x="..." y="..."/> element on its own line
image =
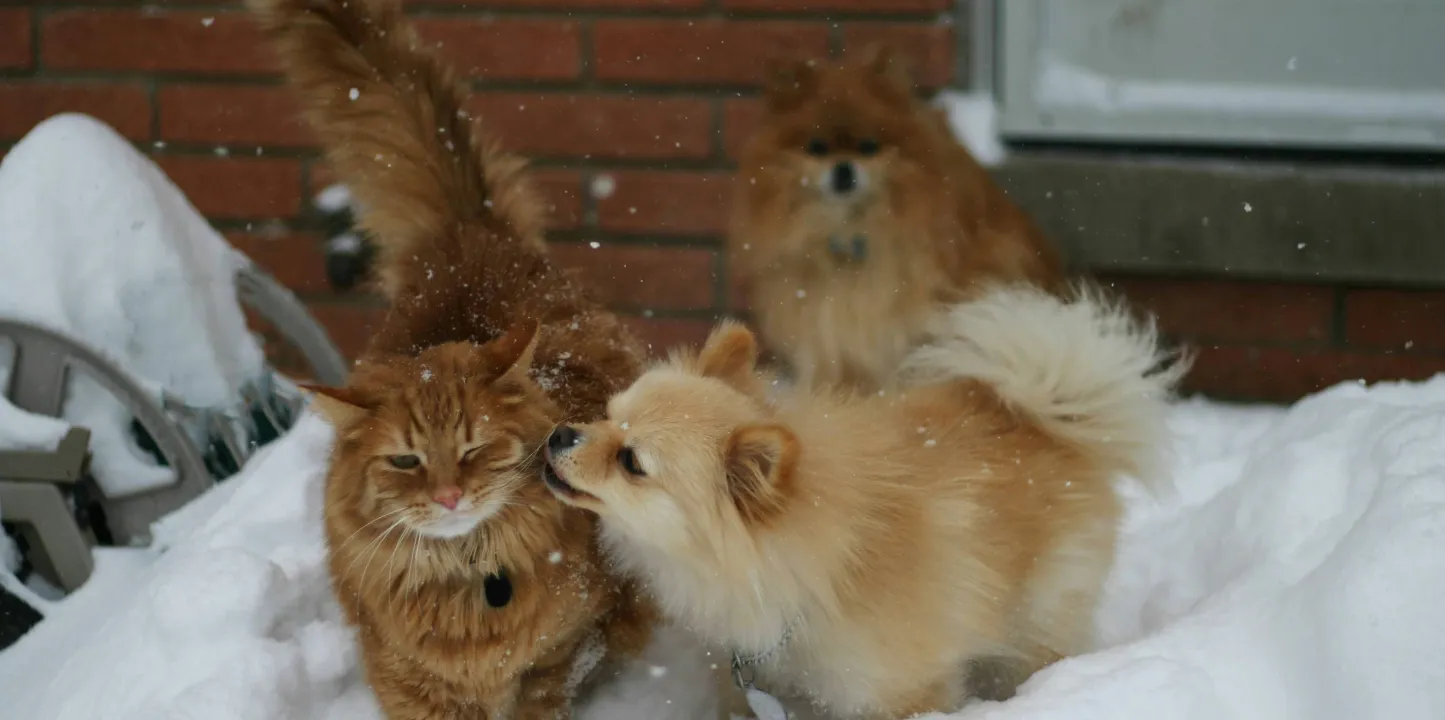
<point x="1295" y="570"/>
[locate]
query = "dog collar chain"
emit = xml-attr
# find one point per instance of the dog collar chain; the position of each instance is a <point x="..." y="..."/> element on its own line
<point x="744" y="665"/>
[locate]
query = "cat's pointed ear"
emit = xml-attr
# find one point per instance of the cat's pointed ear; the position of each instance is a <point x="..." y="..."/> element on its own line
<point x="730" y="355"/>
<point x="340" y="406"/>
<point x="761" y="463"/>
<point x="884" y="60"/>
<point x="512" y="353"/>
<point x="787" y="81"/>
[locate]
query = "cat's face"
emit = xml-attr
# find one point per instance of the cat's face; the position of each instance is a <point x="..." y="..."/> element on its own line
<point x="440" y="442"/>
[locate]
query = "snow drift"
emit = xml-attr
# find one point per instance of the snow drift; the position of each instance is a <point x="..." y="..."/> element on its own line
<point x="1295" y="572"/>
<point x="99" y="245"/>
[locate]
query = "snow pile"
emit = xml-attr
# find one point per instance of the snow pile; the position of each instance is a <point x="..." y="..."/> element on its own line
<point x="101" y="246"/>
<point x="1297" y="574"/>
<point x="230" y="617"/>
<point x="973" y="118"/>
<point x="1294" y="573"/>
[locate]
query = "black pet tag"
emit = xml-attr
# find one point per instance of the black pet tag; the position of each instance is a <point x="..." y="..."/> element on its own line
<point x="856" y="251"/>
<point x="497" y="589"/>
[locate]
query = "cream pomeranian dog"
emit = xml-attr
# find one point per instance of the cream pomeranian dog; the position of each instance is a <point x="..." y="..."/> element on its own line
<point x="892" y="554"/>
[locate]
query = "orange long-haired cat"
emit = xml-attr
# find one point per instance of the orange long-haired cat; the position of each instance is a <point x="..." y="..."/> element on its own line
<point x="475" y="594"/>
<point x="857" y="216"/>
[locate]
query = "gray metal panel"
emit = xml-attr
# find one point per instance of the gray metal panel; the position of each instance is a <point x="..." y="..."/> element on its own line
<point x="1323" y="73"/>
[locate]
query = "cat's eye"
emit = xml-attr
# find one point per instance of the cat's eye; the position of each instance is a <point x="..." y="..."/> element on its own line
<point x="404" y="462"/>
<point x="817" y="147"/>
<point x="627" y="458"/>
<point x="867" y="146"/>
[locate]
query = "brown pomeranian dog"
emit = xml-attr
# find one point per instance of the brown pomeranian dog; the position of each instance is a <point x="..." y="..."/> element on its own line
<point x="857" y="214"/>
<point x="475" y="594"/>
<point x="885" y="555"/>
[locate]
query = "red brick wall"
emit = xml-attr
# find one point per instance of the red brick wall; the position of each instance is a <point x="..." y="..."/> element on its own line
<point x="651" y="97"/>
<point x="1279" y="342"/>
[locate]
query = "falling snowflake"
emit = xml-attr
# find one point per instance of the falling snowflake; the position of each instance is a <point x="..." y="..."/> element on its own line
<point x="1248" y="207"/>
<point x="603" y="186"/>
<point x="208" y="21"/>
<point x="354" y="94"/>
<point x="594" y="244"/>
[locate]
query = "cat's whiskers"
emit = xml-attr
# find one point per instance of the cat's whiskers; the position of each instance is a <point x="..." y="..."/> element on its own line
<point x="367" y="566"/>
<point x="375" y="520"/>
<point x="374" y="541"/>
<point x="538" y="449"/>
<point x="415" y="546"/>
<point x="405" y="533"/>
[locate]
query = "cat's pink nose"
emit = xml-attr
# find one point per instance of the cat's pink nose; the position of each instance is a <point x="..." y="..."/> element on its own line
<point x="448" y="497"/>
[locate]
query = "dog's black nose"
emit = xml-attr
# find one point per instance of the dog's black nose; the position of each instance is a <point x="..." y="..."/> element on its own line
<point x="562" y="438"/>
<point x="845" y="178"/>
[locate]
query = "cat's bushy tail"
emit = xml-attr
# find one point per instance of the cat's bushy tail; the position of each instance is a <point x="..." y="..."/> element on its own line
<point x="392" y="119"/>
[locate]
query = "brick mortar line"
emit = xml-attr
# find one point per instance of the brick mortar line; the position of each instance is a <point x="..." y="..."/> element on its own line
<point x="1339" y="329"/>
<point x="366" y="299"/>
<point x="243" y="151"/>
<point x="610" y="238"/>
<point x="575" y="86"/>
<point x="1206" y="342"/>
<point x="441" y="9"/>
<point x="35" y="27"/>
<point x="587" y="53"/>
<point x="313" y="154"/>
<point x="717" y="118"/>
<point x="65" y="75"/>
<point x="153" y="100"/>
<point x="658" y="164"/>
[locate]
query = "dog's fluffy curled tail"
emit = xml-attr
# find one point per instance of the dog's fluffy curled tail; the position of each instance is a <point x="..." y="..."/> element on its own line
<point x="1084" y="368"/>
<point x="392" y="120"/>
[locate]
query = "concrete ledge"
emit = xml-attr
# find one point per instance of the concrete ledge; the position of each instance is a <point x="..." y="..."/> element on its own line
<point x="1186" y="216"/>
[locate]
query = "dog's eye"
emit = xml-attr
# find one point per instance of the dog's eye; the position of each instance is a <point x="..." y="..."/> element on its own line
<point x="404" y="462"/>
<point x="628" y="460"/>
<point x="867" y="146"/>
<point x="817" y="148"/>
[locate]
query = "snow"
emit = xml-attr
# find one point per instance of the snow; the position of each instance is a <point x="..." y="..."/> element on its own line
<point x="230" y="616"/>
<point x="1064" y="84"/>
<point x="334" y="198"/>
<point x="1293" y="572"/>
<point x="101" y="246"/>
<point x="973" y="117"/>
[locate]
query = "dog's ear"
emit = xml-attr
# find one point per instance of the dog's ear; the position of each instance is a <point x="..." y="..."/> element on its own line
<point x="786" y="82"/>
<point x="884" y="60"/>
<point x="342" y="407"/>
<point x="730" y="355"/>
<point x="761" y="462"/>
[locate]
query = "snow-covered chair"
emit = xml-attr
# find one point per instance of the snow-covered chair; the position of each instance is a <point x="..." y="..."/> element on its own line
<point x="106" y="269"/>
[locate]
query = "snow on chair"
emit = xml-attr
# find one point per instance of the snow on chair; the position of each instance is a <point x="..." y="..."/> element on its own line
<point x="107" y="270"/>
